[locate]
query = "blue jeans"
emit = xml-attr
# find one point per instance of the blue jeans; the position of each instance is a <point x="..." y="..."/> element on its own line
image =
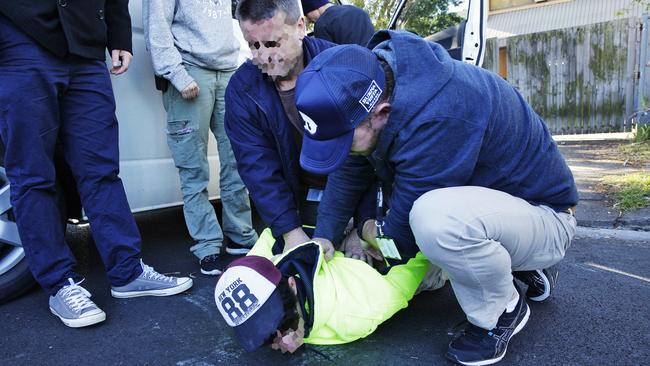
<point x="188" y="126"/>
<point x="43" y="99"/>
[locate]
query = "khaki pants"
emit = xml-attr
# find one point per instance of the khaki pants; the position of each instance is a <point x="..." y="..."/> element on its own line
<point x="478" y="236"/>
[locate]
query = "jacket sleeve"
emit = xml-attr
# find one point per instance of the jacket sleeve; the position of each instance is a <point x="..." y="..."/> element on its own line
<point x="343" y="193"/>
<point x="259" y="164"/>
<point x="118" y="25"/>
<point x="157" y="17"/>
<point x="440" y="156"/>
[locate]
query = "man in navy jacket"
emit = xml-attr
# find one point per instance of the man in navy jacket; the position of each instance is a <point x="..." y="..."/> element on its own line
<point x="54" y="86"/>
<point x="264" y="126"/>
<point x="477" y="183"/>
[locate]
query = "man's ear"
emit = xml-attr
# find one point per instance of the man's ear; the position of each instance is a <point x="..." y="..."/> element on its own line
<point x="383" y="108"/>
<point x="302" y="26"/>
<point x="292" y="284"/>
<point x="380" y="115"/>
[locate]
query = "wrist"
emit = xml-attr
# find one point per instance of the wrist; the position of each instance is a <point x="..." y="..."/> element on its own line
<point x="369" y="230"/>
<point x="294" y="237"/>
<point x="291" y="233"/>
<point x="360" y="226"/>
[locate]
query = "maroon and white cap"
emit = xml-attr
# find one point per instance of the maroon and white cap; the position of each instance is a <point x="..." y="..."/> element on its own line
<point x="247" y="298"/>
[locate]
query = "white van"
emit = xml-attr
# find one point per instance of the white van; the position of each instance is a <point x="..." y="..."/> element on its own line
<point x="146" y="167"/>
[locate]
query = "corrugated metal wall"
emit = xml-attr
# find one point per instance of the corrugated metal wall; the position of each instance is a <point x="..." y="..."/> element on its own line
<point x="581" y="79"/>
<point x="559" y="15"/>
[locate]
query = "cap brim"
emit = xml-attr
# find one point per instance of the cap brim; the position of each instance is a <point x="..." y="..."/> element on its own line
<point x="324" y="156"/>
<point x="252" y="333"/>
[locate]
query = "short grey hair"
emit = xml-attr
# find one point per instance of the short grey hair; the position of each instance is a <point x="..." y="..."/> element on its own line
<point x="256" y="10"/>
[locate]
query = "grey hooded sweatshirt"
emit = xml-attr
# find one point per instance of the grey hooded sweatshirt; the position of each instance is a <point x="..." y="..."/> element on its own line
<point x="194" y="32"/>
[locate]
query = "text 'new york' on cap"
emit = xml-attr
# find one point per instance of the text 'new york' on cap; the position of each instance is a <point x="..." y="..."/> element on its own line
<point x="334" y="93"/>
<point x="247" y="298"/>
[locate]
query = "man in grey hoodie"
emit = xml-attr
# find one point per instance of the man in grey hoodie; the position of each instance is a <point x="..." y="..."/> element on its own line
<point x="193" y="47"/>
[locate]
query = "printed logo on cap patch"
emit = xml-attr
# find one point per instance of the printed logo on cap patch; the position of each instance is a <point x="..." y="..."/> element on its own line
<point x="371" y="97"/>
<point x="241" y="293"/>
<point x="310" y="126"/>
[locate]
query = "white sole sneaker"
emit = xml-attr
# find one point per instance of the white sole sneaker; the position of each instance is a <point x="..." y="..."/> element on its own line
<point x="519" y="327"/>
<point x="237" y="251"/>
<point x="214" y="272"/>
<point x="89" y="319"/>
<point x="161" y="292"/>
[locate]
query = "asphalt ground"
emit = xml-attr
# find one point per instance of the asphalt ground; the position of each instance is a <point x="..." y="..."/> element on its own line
<point x="599" y="315"/>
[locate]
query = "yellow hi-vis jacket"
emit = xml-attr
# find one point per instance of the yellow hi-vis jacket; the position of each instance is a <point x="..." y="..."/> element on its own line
<point x="347" y="299"/>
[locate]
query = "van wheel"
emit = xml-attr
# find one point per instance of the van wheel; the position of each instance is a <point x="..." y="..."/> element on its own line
<point x="15" y="277"/>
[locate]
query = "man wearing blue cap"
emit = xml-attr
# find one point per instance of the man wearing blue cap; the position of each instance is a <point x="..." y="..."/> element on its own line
<point x="264" y="126"/>
<point x="476" y="181"/>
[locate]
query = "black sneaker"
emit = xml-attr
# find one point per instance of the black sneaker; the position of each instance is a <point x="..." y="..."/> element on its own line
<point x="476" y="346"/>
<point x="541" y="282"/>
<point x="233" y="248"/>
<point x="209" y="265"/>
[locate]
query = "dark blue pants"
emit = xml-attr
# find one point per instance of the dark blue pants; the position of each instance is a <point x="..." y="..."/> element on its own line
<point x="44" y="98"/>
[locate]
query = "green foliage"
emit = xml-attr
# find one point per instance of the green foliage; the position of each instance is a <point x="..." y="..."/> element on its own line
<point x="642" y="133"/>
<point x="632" y="191"/>
<point x="644" y="3"/>
<point x="424" y="17"/>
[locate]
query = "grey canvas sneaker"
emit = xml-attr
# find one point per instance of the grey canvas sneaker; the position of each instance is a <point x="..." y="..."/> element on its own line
<point x="73" y="306"/>
<point x="152" y="283"/>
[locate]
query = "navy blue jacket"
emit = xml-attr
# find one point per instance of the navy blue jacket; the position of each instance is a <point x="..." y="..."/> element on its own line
<point x="83" y="28"/>
<point x="451" y="124"/>
<point x="261" y="137"/>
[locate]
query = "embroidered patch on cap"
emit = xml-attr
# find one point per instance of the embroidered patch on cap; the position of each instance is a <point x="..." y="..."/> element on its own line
<point x="371" y="96"/>
<point x="310" y="126"/>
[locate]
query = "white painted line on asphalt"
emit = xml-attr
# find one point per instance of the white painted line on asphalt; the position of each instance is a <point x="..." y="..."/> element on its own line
<point x="594" y="233"/>
<point x="617" y="271"/>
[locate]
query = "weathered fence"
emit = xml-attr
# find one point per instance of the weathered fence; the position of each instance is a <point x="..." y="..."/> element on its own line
<point x="581" y="80"/>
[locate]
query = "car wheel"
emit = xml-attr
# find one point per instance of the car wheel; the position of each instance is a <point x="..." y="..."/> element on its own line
<point x="15" y="277"/>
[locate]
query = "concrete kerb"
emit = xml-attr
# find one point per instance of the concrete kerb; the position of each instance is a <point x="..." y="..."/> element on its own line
<point x="598" y="233"/>
<point x="594" y="208"/>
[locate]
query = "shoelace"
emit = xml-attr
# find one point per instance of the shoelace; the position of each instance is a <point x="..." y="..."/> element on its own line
<point x="149" y="272"/>
<point x="76" y="297"/>
<point x="211" y="257"/>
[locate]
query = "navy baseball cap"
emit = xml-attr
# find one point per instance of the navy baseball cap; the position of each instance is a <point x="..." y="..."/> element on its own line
<point x="248" y="300"/>
<point x="334" y="93"/>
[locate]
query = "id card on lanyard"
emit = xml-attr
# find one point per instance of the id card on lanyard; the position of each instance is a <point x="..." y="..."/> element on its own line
<point x="386" y="245"/>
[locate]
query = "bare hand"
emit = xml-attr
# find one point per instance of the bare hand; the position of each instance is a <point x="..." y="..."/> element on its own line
<point x="354" y="248"/>
<point x="121" y="60"/>
<point x="294" y="238"/>
<point x="328" y="247"/>
<point x="191" y="91"/>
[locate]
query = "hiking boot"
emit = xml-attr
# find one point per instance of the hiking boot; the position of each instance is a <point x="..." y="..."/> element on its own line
<point x="476" y="346"/>
<point x="541" y="282"/>
<point x="73" y="306"/>
<point x="209" y="265"/>
<point x="233" y="248"/>
<point x="152" y="283"/>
